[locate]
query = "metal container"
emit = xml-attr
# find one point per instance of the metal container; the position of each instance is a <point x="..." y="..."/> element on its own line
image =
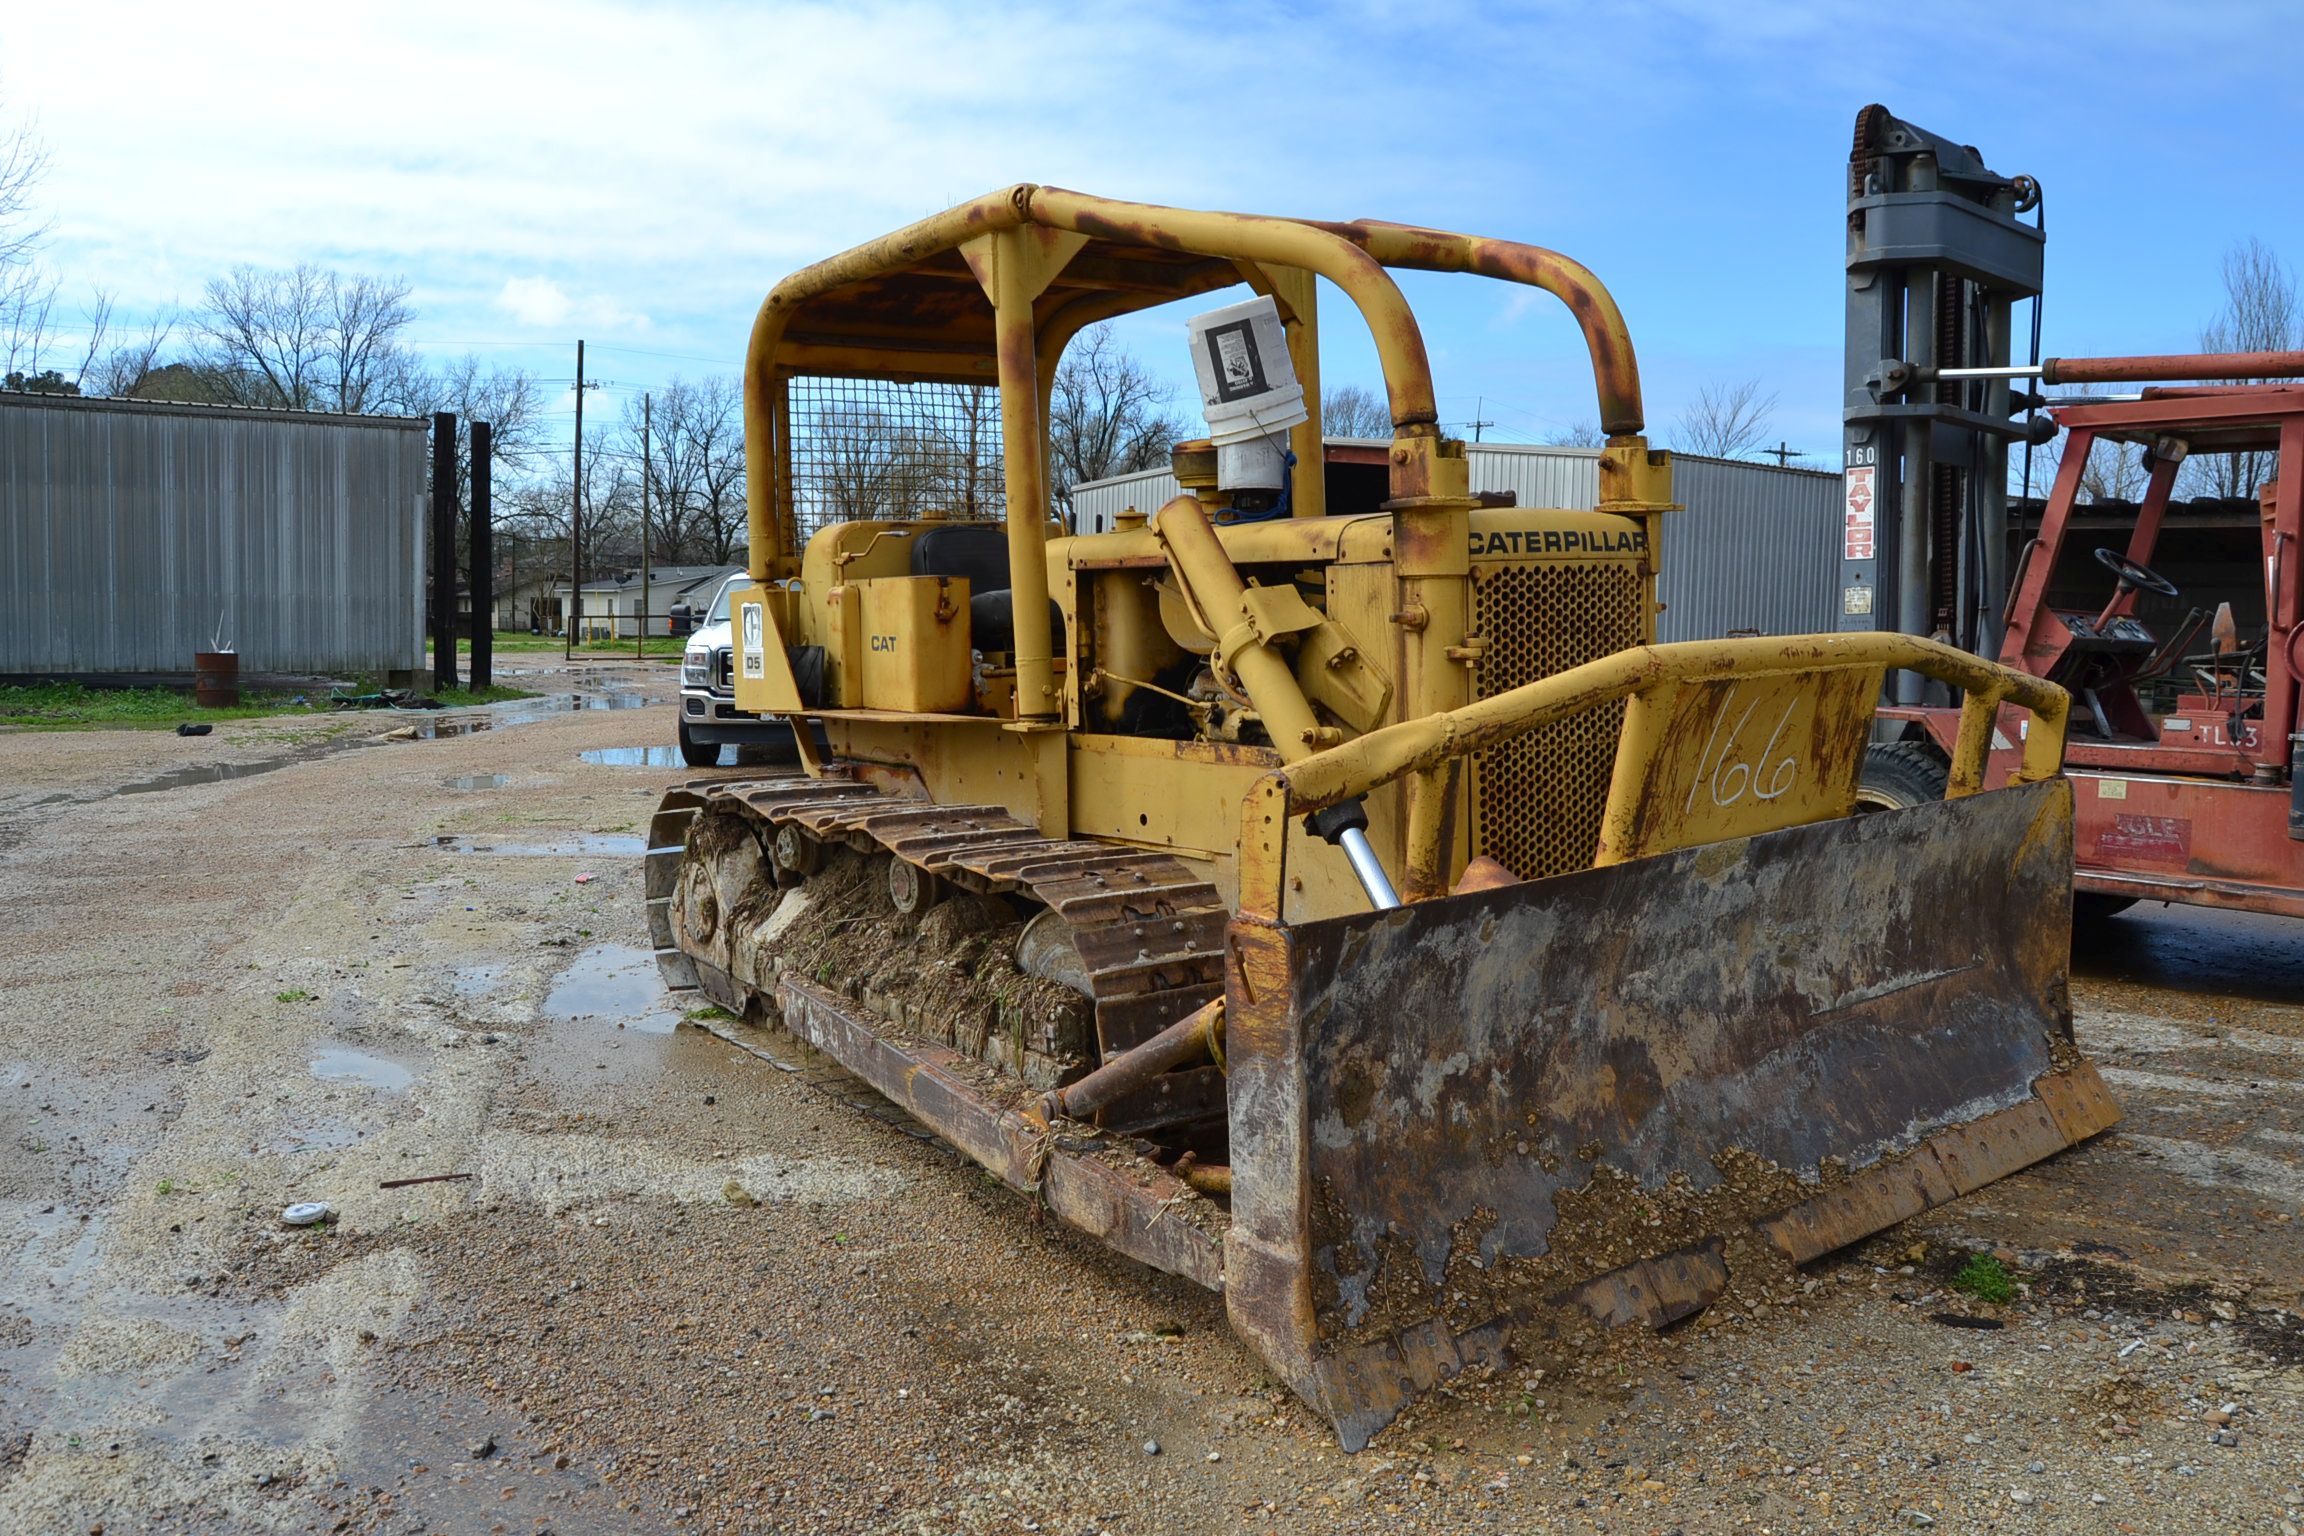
<point x="216" y="679"/>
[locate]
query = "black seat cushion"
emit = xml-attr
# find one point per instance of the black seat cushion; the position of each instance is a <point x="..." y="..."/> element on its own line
<point x="992" y="621"/>
<point x="975" y="552"/>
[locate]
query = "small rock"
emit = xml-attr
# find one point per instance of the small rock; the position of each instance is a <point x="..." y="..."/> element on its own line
<point x="2021" y="1495"/>
<point x="2037" y="1468"/>
<point x="1151" y="1447"/>
<point x="1215" y="1455"/>
<point x="2229" y="1439"/>
<point x="2218" y="1417"/>
<point x="482" y="1448"/>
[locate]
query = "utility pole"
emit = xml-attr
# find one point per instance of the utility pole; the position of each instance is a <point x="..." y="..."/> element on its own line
<point x="1479" y="403"/>
<point x="1783" y="453"/>
<point x="647" y="469"/>
<point x="576" y="516"/>
<point x="483" y="559"/>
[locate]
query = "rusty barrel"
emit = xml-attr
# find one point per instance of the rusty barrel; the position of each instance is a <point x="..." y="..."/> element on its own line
<point x="215" y="679"/>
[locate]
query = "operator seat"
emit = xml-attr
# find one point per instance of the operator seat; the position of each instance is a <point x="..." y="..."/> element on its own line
<point x="977" y="553"/>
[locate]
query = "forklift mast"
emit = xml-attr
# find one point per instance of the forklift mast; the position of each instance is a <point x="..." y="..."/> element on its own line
<point x="1938" y="259"/>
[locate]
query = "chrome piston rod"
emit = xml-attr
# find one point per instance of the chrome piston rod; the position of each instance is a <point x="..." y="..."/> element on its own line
<point x="1373" y="880"/>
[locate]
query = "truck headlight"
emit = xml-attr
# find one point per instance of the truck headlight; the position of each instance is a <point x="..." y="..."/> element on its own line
<point x="696" y="669"/>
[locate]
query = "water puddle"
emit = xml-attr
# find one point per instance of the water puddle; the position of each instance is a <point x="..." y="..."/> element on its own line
<point x="333" y="1062"/>
<point x="614" y="985"/>
<point x="425" y="725"/>
<point x="475" y="981"/>
<point x="478" y="781"/>
<point x="204" y="773"/>
<point x="633" y="757"/>
<point x="584" y="845"/>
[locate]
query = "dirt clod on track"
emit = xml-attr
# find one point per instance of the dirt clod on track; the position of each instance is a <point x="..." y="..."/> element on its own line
<point x="697" y="1285"/>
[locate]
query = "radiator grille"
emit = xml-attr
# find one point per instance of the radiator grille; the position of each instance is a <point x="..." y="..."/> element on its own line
<point x="1537" y="801"/>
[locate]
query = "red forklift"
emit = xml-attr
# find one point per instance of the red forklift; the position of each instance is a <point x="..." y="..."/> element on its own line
<point x="2172" y="623"/>
<point x="2183" y="745"/>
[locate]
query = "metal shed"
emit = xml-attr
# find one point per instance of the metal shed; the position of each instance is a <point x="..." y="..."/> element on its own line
<point x="1756" y="551"/>
<point x="134" y="533"/>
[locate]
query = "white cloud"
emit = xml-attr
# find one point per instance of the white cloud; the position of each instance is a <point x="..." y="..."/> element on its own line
<point x="542" y="304"/>
<point x="535" y="301"/>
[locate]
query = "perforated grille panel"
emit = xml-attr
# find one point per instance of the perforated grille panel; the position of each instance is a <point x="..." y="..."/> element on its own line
<point x="1537" y="801"/>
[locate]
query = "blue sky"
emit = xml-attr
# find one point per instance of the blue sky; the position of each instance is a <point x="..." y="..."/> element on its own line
<point x="640" y="175"/>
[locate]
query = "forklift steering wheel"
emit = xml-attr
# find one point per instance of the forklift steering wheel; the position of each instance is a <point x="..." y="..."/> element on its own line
<point x="2135" y="575"/>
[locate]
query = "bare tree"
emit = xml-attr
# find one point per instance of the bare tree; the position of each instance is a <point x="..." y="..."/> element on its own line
<point x="508" y="399"/>
<point x="1355" y="411"/>
<point x="309" y="339"/>
<point x="27" y="290"/>
<point x="1726" y="421"/>
<point x="2260" y="314"/>
<point x="2114" y="471"/>
<point x="713" y="426"/>
<point x="23" y="161"/>
<point x="1107" y="415"/>
<point x="1583" y="433"/>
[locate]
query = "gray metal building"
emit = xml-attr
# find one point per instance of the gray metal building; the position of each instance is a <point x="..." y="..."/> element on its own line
<point x="134" y="533"/>
<point x="1756" y="552"/>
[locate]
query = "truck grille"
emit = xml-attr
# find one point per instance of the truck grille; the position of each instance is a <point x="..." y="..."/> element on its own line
<point x="1537" y="801"/>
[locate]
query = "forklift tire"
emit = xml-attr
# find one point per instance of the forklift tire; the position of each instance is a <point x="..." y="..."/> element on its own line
<point x="1901" y="774"/>
<point x="698" y="754"/>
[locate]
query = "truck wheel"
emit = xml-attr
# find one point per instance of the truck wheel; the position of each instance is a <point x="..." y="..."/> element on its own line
<point x="698" y="754"/>
<point x="1901" y="774"/>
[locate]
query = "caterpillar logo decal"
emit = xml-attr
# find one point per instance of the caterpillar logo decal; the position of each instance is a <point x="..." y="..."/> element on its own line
<point x="1560" y="541"/>
<point x="755" y="639"/>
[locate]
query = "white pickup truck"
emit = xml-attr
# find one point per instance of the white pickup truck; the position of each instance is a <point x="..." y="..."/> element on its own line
<point x="709" y="718"/>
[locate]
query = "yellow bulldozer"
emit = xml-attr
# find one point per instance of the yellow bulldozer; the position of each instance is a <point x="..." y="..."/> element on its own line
<point x="1349" y="908"/>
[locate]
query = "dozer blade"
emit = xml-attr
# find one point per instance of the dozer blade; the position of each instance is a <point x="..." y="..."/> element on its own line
<point x="1608" y="1089"/>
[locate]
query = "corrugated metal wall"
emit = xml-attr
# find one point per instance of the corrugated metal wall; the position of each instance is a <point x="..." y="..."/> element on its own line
<point x="133" y="533"/>
<point x="1757" y="551"/>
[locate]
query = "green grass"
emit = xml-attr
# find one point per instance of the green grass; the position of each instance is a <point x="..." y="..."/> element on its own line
<point x="75" y="706"/>
<point x="1985" y="1278"/>
<point x="297" y="995"/>
<point x="508" y="641"/>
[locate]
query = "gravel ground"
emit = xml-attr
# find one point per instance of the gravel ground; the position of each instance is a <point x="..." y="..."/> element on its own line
<point x="684" y="1288"/>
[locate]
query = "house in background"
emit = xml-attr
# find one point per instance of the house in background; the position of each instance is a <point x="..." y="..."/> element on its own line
<point x="538" y="603"/>
<point x="613" y="605"/>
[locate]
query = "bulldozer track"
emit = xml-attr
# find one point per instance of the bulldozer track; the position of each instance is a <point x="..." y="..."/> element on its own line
<point x="1149" y="931"/>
